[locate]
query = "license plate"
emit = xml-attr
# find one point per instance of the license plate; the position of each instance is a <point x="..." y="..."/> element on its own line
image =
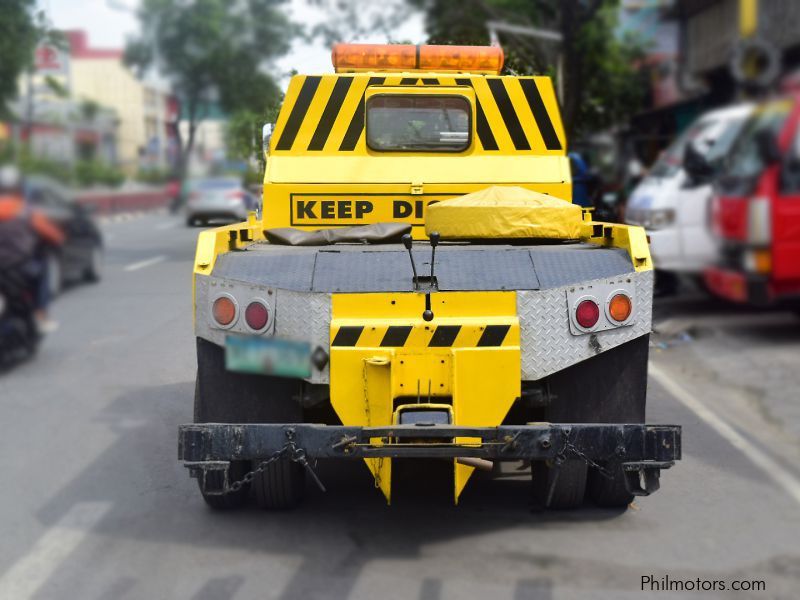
<point x="268" y="356"/>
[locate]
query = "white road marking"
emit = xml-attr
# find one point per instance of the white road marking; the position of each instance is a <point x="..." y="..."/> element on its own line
<point x="31" y="571"/>
<point x="145" y="263"/>
<point x="167" y="225"/>
<point x="779" y="475"/>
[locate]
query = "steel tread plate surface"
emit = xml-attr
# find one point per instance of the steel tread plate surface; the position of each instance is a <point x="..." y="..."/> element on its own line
<point x="386" y="268"/>
<point x="548" y="346"/>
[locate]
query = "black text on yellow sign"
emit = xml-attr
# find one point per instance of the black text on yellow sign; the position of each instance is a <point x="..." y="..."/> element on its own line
<point x="360" y="209"/>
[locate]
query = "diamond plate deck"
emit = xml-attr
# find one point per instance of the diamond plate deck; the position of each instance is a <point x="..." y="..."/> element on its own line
<point x="548" y="346"/>
<point x="386" y="268"/>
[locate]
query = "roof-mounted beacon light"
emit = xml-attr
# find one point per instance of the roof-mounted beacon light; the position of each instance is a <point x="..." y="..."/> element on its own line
<point x="353" y="58"/>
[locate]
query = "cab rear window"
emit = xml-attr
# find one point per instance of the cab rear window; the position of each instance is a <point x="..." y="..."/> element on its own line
<point x="418" y="123"/>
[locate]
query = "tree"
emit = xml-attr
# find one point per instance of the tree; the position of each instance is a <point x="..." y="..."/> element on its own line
<point x="212" y="52"/>
<point x="599" y="78"/>
<point x="22" y="27"/>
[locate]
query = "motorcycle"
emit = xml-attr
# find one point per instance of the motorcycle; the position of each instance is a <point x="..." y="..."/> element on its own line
<point x="19" y="335"/>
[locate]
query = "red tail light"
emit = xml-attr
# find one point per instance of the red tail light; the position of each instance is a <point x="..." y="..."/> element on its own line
<point x="587" y="314"/>
<point x="256" y="315"/>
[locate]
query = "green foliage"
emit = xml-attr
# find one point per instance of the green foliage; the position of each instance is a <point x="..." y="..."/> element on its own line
<point x="601" y="84"/>
<point x="36" y="165"/>
<point x="94" y="172"/>
<point x="243" y="133"/>
<point x="212" y="51"/>
<point x="153" y="175"/>
<point x="86" y="172"/>
<point x="18" y="37"/>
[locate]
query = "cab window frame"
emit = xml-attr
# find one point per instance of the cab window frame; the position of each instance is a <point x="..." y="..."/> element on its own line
<point x="470" y="120"/>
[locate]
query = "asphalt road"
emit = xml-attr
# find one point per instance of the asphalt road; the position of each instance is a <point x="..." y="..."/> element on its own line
<point x="94" y="505"/>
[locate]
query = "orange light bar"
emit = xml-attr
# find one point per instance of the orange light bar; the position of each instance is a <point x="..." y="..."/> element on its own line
<point x="405" y="57"/>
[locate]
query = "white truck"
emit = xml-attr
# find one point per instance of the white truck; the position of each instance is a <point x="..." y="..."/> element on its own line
<point x="673" y="204"/>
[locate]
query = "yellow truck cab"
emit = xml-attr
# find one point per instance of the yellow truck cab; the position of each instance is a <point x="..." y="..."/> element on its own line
<point x="419" y="285"/>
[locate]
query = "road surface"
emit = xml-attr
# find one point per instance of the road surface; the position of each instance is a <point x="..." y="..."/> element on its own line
<point x="95" y="506"/>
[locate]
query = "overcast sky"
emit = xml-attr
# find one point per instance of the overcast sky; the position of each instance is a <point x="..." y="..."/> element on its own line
<point x="108" y="27"/>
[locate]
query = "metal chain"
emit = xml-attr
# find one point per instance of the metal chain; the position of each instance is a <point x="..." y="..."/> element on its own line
<point x="262" y="466"/>
<point x="296" y="454"/>
<point x="570" y="447"/>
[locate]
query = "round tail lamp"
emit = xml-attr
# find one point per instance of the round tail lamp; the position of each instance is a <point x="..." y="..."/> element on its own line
<point x="256" y="315"/>
<point x="587" y="314"/>
<point x="224" y="311"/>
<point x="620" y="307"/>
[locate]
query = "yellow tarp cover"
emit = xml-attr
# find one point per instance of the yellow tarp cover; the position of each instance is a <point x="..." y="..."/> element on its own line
<point x="504" y="212"/>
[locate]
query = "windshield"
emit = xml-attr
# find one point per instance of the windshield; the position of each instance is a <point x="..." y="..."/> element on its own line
<point x="670" y="162"/>
<point x="416" y="122"/>
<point x="744" y="160"/>
<point x="722" y="145"/>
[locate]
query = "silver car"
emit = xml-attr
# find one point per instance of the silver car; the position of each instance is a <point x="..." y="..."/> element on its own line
<point x="217" y="198"/>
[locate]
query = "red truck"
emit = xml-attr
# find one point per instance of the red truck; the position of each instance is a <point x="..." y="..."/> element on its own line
<point x="756" y="210"/>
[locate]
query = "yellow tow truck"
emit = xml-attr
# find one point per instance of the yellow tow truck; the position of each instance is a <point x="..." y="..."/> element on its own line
<point x="419" y="286"/>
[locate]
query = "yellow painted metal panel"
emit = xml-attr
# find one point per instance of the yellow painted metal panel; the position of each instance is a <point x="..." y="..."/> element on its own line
<point x="481" y="377"/>
<point x="381" y="168"/>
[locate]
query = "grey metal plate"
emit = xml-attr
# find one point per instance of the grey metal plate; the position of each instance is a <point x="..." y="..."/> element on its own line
<point x="556" y="266"/>
<point x="457" y="269"/>
<point x="548" y="345"/>
<point x="282" y="268"/>
<point x="386" y="268"/>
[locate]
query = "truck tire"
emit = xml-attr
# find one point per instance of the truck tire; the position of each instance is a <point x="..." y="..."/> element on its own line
<point x="280" y="486"/>
<point x="609" y="493"/>
<point x="568" y="482"/>
<point x="231" y="500"/>
<point x="610" y="387"/>
<point x="223" y="396"/>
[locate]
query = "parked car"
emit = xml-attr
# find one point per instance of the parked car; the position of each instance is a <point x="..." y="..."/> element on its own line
<point x="81" y="256"/>
<point x="673" y="203"/>
<point x="218" y="198"/>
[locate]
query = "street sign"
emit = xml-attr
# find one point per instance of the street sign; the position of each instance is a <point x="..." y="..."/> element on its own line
<point x="50" y="60"/>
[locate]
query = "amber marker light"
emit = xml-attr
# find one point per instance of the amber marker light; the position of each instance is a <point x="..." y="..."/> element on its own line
<point x="405" y="57"/>
<point x="620" y="307"/>
<point x="224" y="311"/>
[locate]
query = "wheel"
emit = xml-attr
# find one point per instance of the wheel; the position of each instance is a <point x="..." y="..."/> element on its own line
<point x="561" y="487"/>
<point x="191" y="222"/>
<point x="280" y="486"/>
<point x="55" y="276"/>
<point x="609" y="492"/>
<point x="223" y="396"/>
<point x="231" y="500"/>
<point x="94" y="270"/>
<point x="620" y="398"/>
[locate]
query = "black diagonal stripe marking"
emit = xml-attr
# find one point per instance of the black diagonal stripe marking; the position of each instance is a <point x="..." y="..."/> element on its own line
<point x="347" y="336"/>
<point x="326" y="121"/>
<point x="531" y="91"/>
<point x="493" y="335"/>
<point x="485" y="134"/>
<point x="430" y="81"/>
<point x="298" y="113"/>
<point x="444" y="336"/>
<point x="396" y="335"/>
<point x="409" y="81"/>
<point x="508" y="113"/>
<point x="357" y="122"/>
